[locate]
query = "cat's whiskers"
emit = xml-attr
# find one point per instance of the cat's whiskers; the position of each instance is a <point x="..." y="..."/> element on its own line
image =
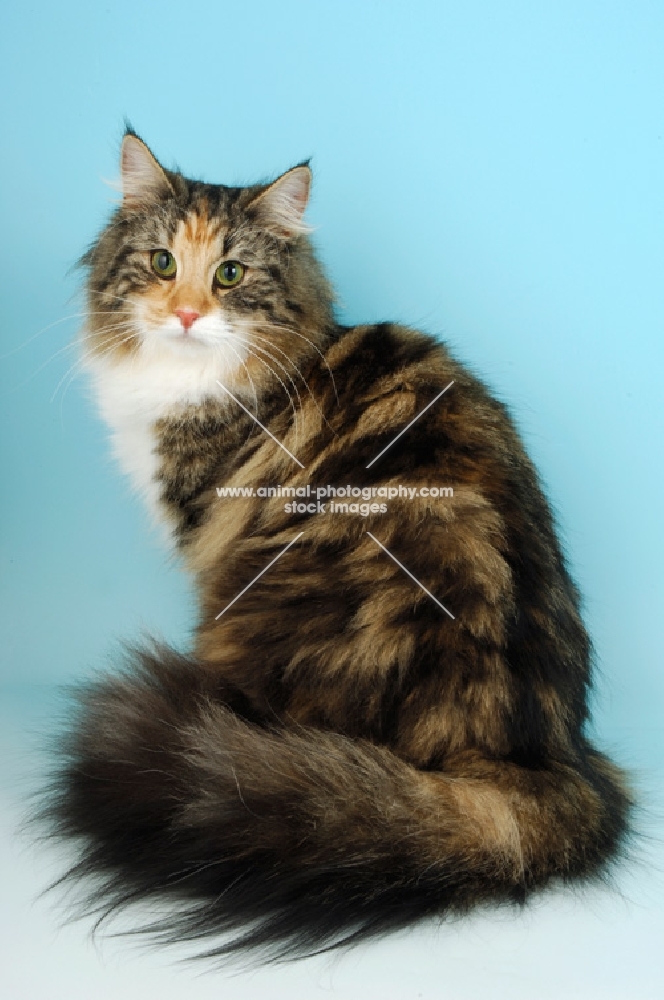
<point x="278" y="363"/>
<point x="225" y="343"/>
<point x="280" y="380"/>
<point x="283" y="385"/>
<point x="282" y="327"/>
<point x="67" y="347"/>
<point x="87" y="353"/>
<point x="44" y="329"/>
<point x="85" y="356"/>
<point x="125" y="324"/>
<point x="268" y="326"/>
<point x="266" y="340"/>
<point x="72" y="345"/>
<point x="262" y="350"/>
<point x="72" y="372"/>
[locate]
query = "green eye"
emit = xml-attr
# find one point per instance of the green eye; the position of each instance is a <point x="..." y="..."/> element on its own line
<point x="230" y="273"/>
<point x="163" y="263"/>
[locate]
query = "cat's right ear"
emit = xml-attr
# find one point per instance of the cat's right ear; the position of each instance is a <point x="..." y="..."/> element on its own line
<point x="144" y="181"/>
<point x="280" y="206"/>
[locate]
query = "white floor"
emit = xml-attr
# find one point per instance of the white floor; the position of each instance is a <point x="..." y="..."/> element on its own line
<point x="606" y="943"/>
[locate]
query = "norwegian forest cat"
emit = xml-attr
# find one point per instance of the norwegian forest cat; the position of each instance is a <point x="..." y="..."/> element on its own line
<point x="382" y="716"/>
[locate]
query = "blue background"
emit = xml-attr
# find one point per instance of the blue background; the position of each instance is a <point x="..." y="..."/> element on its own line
<point x="491" y="172"/>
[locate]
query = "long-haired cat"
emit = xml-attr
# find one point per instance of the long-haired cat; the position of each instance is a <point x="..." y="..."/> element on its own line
<point x="382" y="716"/>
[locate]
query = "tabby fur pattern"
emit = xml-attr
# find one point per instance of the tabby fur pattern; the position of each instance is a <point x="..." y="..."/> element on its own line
<point x="336" y="756"/>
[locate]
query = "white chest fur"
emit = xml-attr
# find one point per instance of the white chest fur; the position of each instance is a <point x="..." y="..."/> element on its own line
<point x="133" y="393"/>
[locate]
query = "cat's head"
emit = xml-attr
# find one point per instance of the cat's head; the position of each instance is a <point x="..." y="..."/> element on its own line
<point x="196" y="274"/>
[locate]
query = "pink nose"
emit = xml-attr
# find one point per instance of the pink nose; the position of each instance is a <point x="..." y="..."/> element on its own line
<point x="187" y="317"/>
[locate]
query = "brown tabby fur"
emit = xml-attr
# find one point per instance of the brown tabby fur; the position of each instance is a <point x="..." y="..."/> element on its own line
<point x="336" y="756"/>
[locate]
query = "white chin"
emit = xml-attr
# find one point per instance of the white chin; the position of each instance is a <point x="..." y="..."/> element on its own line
<point x="189" y="340"/>
<point x="169" y="370"/>
<point x="209" y="342"/>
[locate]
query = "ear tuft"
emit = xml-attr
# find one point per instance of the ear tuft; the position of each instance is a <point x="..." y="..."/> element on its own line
<point x="143" y="179"/>
<point x="280" y="208"/>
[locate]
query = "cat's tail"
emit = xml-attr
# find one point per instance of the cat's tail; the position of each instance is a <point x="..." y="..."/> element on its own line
<point x="291" y="840"/>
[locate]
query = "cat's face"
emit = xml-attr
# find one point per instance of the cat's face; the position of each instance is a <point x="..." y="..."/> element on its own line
<point x="205" y="274"/>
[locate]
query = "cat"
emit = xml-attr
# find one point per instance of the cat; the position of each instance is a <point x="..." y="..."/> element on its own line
<point x="383" y="714"/>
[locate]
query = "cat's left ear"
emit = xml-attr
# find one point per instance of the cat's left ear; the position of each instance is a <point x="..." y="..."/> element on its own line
<point x="280" y="207"/>
<point x="144" y="180"/>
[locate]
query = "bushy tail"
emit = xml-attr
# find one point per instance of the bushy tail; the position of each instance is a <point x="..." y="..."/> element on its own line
<point x="292" y="840"/>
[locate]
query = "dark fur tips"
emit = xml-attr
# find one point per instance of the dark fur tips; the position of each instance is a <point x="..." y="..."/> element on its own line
<point x="284" y="842"/>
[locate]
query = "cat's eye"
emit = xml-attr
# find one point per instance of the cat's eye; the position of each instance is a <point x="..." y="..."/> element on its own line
<point x="163" y="263"/>
<point x="230" y="273"/>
